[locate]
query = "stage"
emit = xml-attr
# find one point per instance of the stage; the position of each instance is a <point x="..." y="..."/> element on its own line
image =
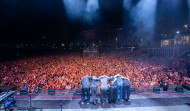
<point x="140" y="101"/>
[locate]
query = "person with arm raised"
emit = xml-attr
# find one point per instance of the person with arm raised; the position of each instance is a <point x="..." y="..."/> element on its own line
<point x="119" y="84"/>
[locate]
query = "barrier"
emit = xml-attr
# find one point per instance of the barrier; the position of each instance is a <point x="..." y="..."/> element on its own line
<point x="7" y="88"/>
<point x="186" y="86"/>
<point x="51" y="91"/>
<point x="156" y="89"/>
<point x="25" y="109"/>
<point x="132" y="90"/>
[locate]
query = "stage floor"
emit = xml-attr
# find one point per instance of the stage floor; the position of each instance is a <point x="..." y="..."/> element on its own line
<point x="144" y="101"/>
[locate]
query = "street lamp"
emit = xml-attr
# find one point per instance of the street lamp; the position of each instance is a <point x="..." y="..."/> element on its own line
<point x="116" y="39"/>
<point x="177" y="32"/>
<point x="186" y="27"/>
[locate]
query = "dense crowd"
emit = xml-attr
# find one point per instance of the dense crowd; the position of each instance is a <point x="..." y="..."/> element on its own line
<point x="65" y="71"/>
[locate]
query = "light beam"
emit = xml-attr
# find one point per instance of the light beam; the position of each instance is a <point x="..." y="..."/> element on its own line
<point x="127" y="4"/>
<point x="92" y="13"/>
<point x="82" y="11"/>
<point x="189" y="12"/>
<point x="144" y="16"/>
<point x="74" y="8"/>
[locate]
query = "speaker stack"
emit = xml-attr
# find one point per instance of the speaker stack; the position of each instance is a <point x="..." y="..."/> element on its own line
<point x="186" y="86"/>
<point x="179" y="89"/>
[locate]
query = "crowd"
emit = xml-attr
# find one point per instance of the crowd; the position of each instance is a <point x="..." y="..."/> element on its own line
<point x="64" y="71"/>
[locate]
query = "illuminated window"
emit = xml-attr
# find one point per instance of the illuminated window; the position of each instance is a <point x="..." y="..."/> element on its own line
<point x="166" y="42"/>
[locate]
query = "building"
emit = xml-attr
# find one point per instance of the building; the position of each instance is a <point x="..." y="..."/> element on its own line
<point x="172" y="46"/>
<point x="178" y="40"/>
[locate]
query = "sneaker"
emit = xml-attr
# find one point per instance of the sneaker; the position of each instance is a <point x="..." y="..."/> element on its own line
<point x="82" y="102"/>
<point x="127" y="100"/>
<point x="87" y="103"/>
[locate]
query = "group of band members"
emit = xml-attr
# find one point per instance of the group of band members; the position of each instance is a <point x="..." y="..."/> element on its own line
<point x="118" y="84"/>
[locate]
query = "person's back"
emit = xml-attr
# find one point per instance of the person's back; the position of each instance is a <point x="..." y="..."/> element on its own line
<point x="104" y="84"/>
<point x="103" y="87"/>
<point x="119" y="87"/>
<point x="113" y="90"/>
<point x="126" y="89"/>
<point x="119" y="81"/>
<point x="126" y="81"/>
<point x="85" y="82"/>
<point x="111" y="82"/>
<point x="94" y="88"/>
<point x="85" y="88"/>
<point x="94" y="82"/>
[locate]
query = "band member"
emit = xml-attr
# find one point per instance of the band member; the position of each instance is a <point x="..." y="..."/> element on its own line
<point x="112" y="90"/>
<point x="94" y="88"/>
<point x="85" y="88"/>
<point x="103" y="87"/>
<point x="126" y="88"/>
<point x="119" y="86"/>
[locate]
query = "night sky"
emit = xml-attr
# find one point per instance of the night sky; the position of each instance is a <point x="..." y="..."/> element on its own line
<point x="30" y="20"/>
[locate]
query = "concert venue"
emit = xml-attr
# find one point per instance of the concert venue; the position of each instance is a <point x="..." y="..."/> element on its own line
<point x="81" y="55"/>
